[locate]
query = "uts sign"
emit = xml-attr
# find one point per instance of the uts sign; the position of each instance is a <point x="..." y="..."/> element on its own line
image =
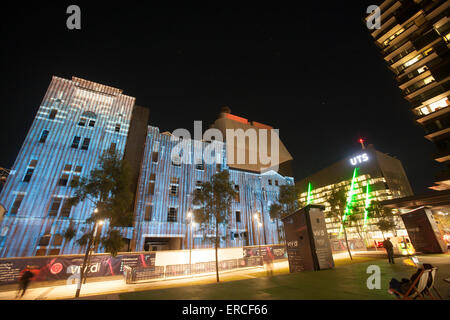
<point x="359" y="159"/>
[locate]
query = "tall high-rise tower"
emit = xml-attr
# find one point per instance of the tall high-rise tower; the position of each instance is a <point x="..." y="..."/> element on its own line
<point x="413" y="39"/>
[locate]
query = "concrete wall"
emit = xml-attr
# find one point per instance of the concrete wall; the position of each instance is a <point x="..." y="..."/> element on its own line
<point x="164" y="258"/>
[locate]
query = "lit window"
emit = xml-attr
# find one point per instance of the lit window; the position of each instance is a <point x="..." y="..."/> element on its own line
<point x="422" y="69"/>
<point x="412" y="61"/>
<point x="439" y="104"/>
<point x="44" y="136"/>
<point x="428" y="80"/>
<point x="447" y="37"/>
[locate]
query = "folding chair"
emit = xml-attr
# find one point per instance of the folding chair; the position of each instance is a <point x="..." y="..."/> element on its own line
<point x="413" y="292"/>
<point x="427" y="290"/>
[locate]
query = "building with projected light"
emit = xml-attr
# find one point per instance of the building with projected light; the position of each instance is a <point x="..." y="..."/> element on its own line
<point x="76" y="122"/>
<point x="367" y="176"/>
<point x="414" y="41"/>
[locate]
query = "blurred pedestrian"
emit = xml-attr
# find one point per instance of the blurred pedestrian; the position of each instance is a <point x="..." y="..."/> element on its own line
<point x="24" y="281"/>
<point x="387" y="244"/>
<point x="268" y="262"/>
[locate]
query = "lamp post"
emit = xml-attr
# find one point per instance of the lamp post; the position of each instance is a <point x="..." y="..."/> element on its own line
<point x="86" y="256"/>
<point x="256" y="217"/>
<point x="191" y="242"/>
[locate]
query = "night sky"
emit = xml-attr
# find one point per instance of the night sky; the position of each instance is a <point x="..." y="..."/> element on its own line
<point x="312" y="71"/>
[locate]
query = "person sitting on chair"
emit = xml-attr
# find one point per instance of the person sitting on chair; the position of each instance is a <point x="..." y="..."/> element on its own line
<point x="403" y="285"/>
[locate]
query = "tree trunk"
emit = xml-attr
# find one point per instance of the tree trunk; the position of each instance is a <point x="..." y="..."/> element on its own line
<point x="346" y="243"/>
<point x="216" y="245"/>
<point x="83" y="267"/>
<point x="278" y="231"/>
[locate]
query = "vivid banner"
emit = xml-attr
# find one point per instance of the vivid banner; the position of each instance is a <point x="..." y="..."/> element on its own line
<point x="65" y="268"/>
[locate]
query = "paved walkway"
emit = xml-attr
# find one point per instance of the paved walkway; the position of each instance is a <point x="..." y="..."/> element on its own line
<point x="117" y="288"/>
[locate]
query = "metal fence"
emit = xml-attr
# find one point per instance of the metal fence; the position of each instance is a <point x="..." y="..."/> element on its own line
<point x="136" y="274"/>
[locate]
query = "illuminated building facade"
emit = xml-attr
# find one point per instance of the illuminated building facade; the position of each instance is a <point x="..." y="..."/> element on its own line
<point x="413" y="39"/>
<point x="367" y="176"/>
<point x="76" y="122"/>
<point x="165" y="198"/>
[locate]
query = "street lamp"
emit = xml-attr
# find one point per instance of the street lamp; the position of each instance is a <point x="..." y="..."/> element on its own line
<point x="191" y="223"/>
<point x="256" y="217"/>
<point x="88" y="249"/>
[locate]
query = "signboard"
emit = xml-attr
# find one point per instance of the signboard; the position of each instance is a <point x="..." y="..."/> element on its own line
<point x="277" y="251"/>
<point x="307" y="243"/>
<point x="68" y="267"/>
<point x="423" y="231"/>
<point x="322" y="244"/>
<point x="359" y="159"/>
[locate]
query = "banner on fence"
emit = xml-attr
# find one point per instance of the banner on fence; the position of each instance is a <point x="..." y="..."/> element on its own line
<point x="65" y="268"/>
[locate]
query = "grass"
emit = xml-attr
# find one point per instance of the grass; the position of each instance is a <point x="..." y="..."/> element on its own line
<point x="346" y="281"/>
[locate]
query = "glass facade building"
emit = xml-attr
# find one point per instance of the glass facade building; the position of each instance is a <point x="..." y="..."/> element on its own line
<point x="368" y="176"/>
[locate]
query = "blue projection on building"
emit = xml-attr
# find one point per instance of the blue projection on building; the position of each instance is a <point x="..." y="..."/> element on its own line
<point x="77" y="121"/>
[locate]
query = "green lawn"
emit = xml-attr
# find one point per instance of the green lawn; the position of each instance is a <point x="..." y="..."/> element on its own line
<point x="346" y="281"/>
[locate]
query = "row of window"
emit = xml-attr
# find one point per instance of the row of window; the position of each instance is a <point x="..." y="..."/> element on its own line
<point x="173" y="213"/>
<point x="84" y="119"/>
<point x="57" y="205"/>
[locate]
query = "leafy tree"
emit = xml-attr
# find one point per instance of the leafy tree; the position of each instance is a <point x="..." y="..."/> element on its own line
<point x="113" y="242"/>
<point x="108" y="188"/>
<point x="214" y="199"/>
<point x="288" y="202"/>
<point x="384" y="215"/>
<point x="338" y="203"/>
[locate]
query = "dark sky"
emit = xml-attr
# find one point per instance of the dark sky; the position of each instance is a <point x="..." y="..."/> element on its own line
<point x="311" y="70"/>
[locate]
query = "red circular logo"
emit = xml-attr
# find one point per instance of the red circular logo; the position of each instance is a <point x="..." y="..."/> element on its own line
<point x="56" y="268"/>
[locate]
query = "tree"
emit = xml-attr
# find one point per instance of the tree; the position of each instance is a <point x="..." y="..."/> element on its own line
<point x="288" y="202"/>
<point x="384" y="215"/>
<point x="214" y="199"/>
<point x="338" y="203"/>
<point x="108" y="188"/>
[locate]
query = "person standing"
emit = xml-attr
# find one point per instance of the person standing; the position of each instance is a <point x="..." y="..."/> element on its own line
<point x="24" y="281"/>
<point x="387" y="244"/>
